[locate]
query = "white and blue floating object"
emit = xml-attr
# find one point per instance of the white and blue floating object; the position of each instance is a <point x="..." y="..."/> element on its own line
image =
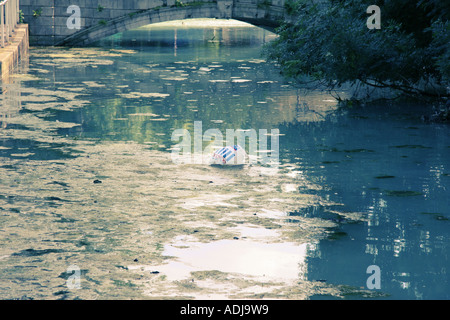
<point x="230" y="155"/>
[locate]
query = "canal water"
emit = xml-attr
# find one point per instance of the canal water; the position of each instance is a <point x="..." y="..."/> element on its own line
<point x="92" y="205"/>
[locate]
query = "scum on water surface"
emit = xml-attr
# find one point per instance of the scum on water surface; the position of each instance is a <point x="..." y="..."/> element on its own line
<point x="135" y="231"/>
<point x="119" y="230"/>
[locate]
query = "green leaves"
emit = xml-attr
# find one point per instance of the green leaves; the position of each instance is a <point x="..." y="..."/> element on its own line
<point x="441" y="47"/>
<point x="332" y="43"/>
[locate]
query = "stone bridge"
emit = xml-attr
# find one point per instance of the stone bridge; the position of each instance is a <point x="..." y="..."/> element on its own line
<point x="52" y="22"/>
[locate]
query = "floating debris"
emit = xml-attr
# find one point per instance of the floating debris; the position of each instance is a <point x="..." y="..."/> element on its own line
<point x="230" y="155"/>
<point x="402" y="193"/>
<point x="411" y="146"/>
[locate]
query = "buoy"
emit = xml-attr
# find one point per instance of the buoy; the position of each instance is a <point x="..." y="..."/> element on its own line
<point x="229" y="155"/>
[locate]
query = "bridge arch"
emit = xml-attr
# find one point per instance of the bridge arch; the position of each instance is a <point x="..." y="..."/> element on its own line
<point x="113" y="16"/>
<point x="265" y="17"/>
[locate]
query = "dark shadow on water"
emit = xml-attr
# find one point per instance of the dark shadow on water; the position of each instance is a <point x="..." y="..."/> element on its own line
<point x="35" y="150"/>
<point x="229" y="167"/>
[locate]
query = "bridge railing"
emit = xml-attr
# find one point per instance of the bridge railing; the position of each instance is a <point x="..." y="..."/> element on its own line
<point x="9" y="17"/>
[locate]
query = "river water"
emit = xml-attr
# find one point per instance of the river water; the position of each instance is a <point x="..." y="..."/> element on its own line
<point x="89" y="190"/>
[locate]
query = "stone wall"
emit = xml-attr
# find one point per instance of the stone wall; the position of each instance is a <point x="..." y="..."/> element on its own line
<point x="15" y="51"/>
<point x="49" y="24"/>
